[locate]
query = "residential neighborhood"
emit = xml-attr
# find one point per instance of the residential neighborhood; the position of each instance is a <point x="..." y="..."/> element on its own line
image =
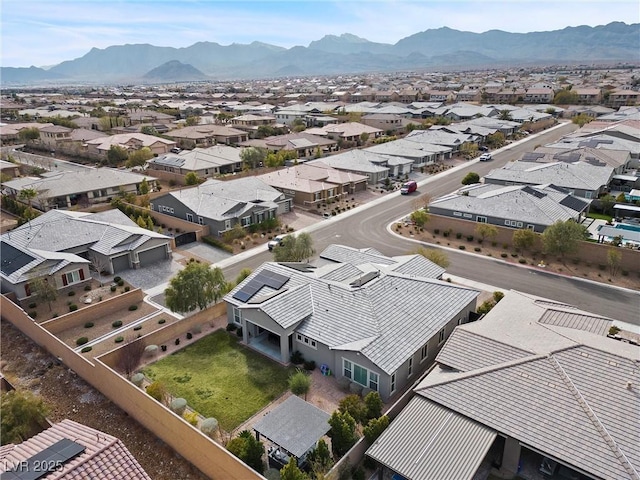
<point x="410" y="275"/>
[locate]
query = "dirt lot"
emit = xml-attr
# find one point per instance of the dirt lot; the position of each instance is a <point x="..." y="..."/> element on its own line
<point x="27" y="366"/>
<point x="550" y="264"/>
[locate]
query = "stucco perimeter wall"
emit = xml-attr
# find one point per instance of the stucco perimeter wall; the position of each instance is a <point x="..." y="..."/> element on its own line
<point x="91" y="312"/>
<point x="172" y="222"/>
<point x="210" y="458"/>
<point x="594" y="253"/>
<point x="170" y="332"/>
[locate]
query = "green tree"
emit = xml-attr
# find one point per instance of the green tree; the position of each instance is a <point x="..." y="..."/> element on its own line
<point x="420" y="218"/>
<point x="294" y="248"/>
<point x="320" y="458"/>
<point x="563" y="238"/>
<point x="484" y="230"/>
<point x="142" y="223"/>
<point x="434" y="255"/>
<point x="252" y="157"/>
<point x="470" y="178"/>
<point x="29" y="134"/>
<point x="248" y="449"/>
<point x="150" y="225"/>
<point x="354" y="406"/>
<point x="149" y="130"/>
<point x="144" y="187"/>
<point x="373" y="402"/>
<point x="524" y="239"/>
<point x="244" y="273"/>
<point x="582" y="119"/>
<point x="291" y="471"/>
<point x="505" y="115"/>
<point x="495" y="140"/>
<point x="621" y="198"/>
<point x="343" y="432"/>
<point x="566" y="97"/>
<point x="44" y="289"/>
<point x="27" y="195"/>
<point x="614" y="258"/>
<point x="117" y="155"/>
<point x="469" y="150"/>
<point x="364" y="136"/>
<point x="298" y="125"/>
<point x="138" y="158"/>
<point x="192" y="178"/>
<point x="606" y="202"/>
<point x="195" y="286"/>
<point x="375" y="427"/>
<point x="20" y="411"/>
<point x="192" y="121"/>
<point x="299" y="383"/>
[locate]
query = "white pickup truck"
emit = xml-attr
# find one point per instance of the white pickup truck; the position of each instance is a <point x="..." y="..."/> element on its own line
<point x="275" y="242"/>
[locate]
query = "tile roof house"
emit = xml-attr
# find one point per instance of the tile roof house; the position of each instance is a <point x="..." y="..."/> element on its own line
<point x="73" y="452"/>
<point x="204" y="162"/>
<point x="515" y="206"/>
<point x="375" y="166"/>
<point x="223" y="204"/>
<point x="310" y="185"/>
<point x="129" y="141"/>
<point x="69" y="188"/>
<point x="304" y="144"/>
<point x="57" y="238"/>
<point x="207" y="135"/>
<point x="350" y="131"/>
<point x="373" y="319"/>
<point x="537" y="386"/>
<point x="581" y="179"/>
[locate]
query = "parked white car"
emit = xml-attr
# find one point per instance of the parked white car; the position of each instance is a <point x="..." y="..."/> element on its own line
<point x="275" y="242"/>
<point x="485" y="157"/>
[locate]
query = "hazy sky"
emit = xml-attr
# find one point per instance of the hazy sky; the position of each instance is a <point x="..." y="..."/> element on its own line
<point x="46" y="32"/>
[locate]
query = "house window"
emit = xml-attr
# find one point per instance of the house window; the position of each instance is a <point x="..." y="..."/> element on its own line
<point x="587" y="194"/>
<point x="410" y="367"/>
<point x="531" y="227"/>
<point x="246" y="221"/>
<point x="373" y="381"/>
<point x="72" y="277"/>
<point x="237" y="316"/>
<point x="201" y="220"/>
<point x="348" y="368"/>
<point x="189" y="217"/>
<point x="424" y="352"/>
<point x="457" y="214"/>
<point x="27" y="289"/>
<point x="393" y="382"/>
<point x="360" y="375"/>
<point x="481" y="219"/>
<point x="306" y="340"/>
<point x="441" y="336"/>
<point x="519" y="224"/>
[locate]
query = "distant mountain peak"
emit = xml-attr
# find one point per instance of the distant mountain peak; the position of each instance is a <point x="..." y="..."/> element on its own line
<point x="175" y="71"/>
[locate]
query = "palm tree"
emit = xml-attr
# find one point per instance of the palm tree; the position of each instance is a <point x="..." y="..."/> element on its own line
<point x="28" y="194"/>
<point x="505" y="115"/>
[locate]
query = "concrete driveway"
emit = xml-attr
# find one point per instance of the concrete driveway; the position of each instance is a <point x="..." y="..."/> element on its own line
<point x="204" y="251"/>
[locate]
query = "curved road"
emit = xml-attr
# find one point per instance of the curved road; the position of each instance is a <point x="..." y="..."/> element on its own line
<point x="366" y="227"/>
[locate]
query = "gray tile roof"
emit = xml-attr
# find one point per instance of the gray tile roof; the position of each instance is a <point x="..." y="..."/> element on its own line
<point x="344" y="254"/>
<point x="357" y="160"/>
<point x="535" y="205"/>
<point x="574" y="176"/>
<point x="373" y="311"/>
<point x="575" y="398"/>
<point x="434" y="433"/>
<point x="201" y="158"/>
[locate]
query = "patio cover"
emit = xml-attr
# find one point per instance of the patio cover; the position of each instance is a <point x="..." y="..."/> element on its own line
<point x="427" y="440"/>
<point x="294" y="425"/>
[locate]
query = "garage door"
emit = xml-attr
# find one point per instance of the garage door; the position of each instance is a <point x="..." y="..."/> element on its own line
<point x="154" y="255"/>
<point x="120" y="263"/>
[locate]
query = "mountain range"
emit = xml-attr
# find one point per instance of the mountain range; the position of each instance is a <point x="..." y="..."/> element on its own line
<point x="441" y="48"/>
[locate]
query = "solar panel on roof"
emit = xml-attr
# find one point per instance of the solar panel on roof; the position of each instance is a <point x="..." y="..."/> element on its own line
<point x="266" y="277"/>
<point x="531" y="157"/>
<point x="573" y="203"/>
<point x="274" y="280"/>
<point x="13" y="259"/>
<point x="366" y="278"/>
<point x="48" y="460"/>
<point x="534" y="192"/>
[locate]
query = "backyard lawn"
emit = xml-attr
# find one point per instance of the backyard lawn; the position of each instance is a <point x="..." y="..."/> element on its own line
<point x="220" y="378"/>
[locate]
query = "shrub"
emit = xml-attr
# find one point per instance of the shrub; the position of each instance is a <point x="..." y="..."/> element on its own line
<point x="436" y="231"/>
<point x="514" y="255"/>
<point x="191" y="417"/>
<point x="157" y="390"/>
<point x="87" y="288"/>
<point x="137" y="327"/>
<point x="310" y="365"/>
<point x="189" y="335"/>
<point x="161" y="321"/>
<point x="231" y="327"/>
<point x="297" y="358"/>
<point x="119" y="339"/>
<point x="218" y="244"/>
<point x="522" y="260"/>
<point x="462" y="247"/>
<point x="117" y="279"/>
<point x="458" y="235"/>
<point x="73" y="307"/>
<point x="121" y="283"/>
<point x="113" y="288"/>
<point x="82" y="341"/>
<point x="71" y="293"/>
<point x="86" y="349"/>
<point x="117" y="324"/>
<point x="88" y="325"/>
<point x="504" y="255"/>
<point x="33" y="305"/>
<point x="477" y="249"/>
<point x="505" y="246"/>
<point x="469" y="238"/>
<point x="613" y="330"/>
<point x="445" y="234"/>
<point x="127" y="288"/>
<point x="358" y="473"/>
<point x="177" y="342"/>
<point x="133" y="308"/>
<point x="33" y="314"/>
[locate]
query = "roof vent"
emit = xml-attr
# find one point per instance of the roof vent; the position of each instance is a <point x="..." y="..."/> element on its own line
<point x="629" y="385"/>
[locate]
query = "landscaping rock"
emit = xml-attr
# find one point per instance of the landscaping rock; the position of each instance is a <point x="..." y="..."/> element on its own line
<point x="178" y="405"/>
<point x="150" y="350"/>
<point x="209" y="427"/>
<point x="137" y="379"/>
<point x="355" y="388"/>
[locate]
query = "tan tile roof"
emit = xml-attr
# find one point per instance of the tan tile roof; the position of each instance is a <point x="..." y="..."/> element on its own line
<point x="105" y="457"/>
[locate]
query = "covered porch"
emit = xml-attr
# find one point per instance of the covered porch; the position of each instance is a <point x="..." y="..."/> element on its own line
<point x="273" y="345"/>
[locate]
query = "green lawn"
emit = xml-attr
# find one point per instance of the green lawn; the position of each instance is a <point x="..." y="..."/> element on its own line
<point x="599" y="216"/>
<point x="220" y="378"/>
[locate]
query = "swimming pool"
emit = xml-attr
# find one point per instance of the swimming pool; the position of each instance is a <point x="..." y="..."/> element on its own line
<point x="633" y="228"/>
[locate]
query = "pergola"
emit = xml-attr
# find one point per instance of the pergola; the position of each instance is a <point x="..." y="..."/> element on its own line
<point x="295" y="426"/>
